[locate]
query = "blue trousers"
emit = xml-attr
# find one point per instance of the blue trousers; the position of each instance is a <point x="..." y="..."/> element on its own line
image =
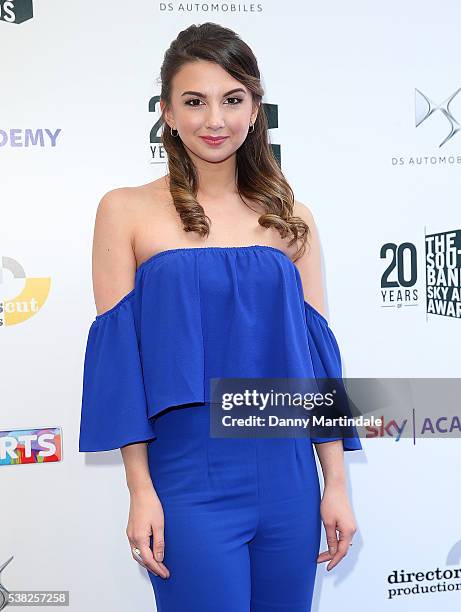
<point x="242" y="518"/>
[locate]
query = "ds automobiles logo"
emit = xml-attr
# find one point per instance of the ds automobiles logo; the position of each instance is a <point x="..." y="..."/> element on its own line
<point x="425" y="107"/>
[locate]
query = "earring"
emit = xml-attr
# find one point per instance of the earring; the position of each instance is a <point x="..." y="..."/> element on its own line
<point x="171" y="132"/>
<point x="252" y="125"/>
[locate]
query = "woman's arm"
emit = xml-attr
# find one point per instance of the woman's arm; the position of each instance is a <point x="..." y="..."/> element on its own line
<point x="146" y="513"/>
<point x="114" y="269"/>
<point x="335" y="508"/>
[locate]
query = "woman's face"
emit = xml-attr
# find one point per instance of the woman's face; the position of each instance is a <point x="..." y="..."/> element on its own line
<point x="207" y="101"/>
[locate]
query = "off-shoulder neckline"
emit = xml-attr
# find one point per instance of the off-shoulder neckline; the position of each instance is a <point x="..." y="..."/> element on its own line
<point x="231" y="249"/>
<point x="235" y="249"/>
<point x="165" y="252"/>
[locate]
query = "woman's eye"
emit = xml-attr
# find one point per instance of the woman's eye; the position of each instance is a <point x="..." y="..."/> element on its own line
<point x="238" y="100"/>
<point x="190" y="102"/>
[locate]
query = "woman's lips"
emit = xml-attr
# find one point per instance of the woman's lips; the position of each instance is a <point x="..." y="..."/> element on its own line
<point x="213" y="141"/>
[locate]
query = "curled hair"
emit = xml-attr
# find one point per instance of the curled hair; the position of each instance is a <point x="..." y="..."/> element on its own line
<point x="258" y="175"/>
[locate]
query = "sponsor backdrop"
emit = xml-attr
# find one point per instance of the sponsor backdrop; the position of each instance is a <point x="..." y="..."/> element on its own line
<point x="364" y="103"/>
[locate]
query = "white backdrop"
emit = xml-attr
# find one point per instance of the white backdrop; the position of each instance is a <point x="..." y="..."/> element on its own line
<point x="74" y="123"/>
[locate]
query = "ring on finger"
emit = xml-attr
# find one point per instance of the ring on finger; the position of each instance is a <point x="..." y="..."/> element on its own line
<point x="137" y="553"/>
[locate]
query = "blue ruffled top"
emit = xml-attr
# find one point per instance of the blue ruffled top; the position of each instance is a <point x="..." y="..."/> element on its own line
<point x="194" y="314"/>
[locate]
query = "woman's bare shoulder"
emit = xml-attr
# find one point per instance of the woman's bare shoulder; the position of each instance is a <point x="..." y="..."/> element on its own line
<point x="122" y="213"/>
<point x="303" y="211"/>
<point x="135" y="205"/>
<point x="126" y="199"/>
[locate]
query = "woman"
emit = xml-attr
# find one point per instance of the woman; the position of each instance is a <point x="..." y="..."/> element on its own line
<point x="205" y="273"/>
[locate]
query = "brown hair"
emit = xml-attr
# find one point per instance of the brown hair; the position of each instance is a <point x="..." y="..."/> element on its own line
<point x="258" y="175"/>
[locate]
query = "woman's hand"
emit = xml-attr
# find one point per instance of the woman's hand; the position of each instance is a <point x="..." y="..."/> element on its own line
<point x="337" y="515"/>
<point x="146" y="518"/>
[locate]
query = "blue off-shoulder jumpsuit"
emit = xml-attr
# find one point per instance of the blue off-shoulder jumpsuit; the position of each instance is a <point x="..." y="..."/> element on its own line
<point x="242" y="520"/>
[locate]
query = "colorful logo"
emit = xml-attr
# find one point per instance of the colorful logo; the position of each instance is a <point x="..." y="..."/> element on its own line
<point x="32" y="293"/>
<point x="19" y="446"/>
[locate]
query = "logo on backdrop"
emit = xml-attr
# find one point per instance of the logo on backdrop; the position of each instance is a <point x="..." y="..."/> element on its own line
<point x="425" y="107"/>
<point x="4" y="593"/>
<point x="26" y="138"/>
<point x="415" y="426"/>
<point x="443" y="274"/>
<point x="158" y="155"/>
<point x="437" y="580"/>
<point x="29" y="292"/>
<point x="225" y="7"/>
<point x="21" y="446"/>
<point x="399" y="281"/>
<point x="16" y="11"/>
<point x="437" y="125"/>
<point x="47" y="597"/>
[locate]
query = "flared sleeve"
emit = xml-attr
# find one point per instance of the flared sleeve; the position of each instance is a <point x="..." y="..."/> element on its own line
<point x="326" y="361"/>
<point x="114" y="407"/>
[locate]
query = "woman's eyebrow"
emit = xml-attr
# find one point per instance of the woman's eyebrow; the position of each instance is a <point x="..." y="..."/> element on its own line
<point x="228" y="93"/>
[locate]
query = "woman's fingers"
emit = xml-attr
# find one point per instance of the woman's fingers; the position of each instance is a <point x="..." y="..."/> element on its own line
<point x="344" y="542"/>
<point x="150" y="563"/>
<point x="145" y="531"/>
<point x="324" y="556"/>
<point x="159" y="543"/>
<point x="146" y="558"/>
<point x="332" y="540"/>
<point x="337" y="548"/>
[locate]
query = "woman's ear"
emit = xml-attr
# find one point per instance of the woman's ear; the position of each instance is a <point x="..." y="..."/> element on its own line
<point x="167" y="114"/>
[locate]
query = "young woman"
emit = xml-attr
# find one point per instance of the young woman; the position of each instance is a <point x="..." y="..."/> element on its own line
<point x="206" y="273"/>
